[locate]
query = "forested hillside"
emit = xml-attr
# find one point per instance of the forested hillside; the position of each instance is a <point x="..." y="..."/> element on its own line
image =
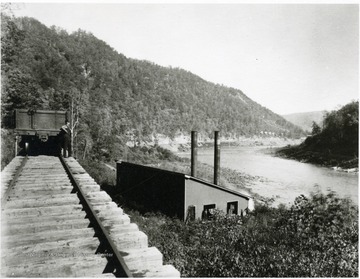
<point x="112" y="95"/>
<point x="334" y="143"/>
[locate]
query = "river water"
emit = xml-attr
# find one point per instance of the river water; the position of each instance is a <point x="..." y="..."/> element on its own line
<point x="282" y="179"/>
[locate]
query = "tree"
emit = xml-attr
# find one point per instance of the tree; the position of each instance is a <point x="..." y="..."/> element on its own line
<point x="78" y="105"/>
<point x="315" y="129"/>
<point x="20" y="90"/>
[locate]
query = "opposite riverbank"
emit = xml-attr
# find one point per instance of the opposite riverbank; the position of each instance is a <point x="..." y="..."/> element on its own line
<point x="336" y="161"/>
<point x="184" y="144"/>
<point x="335" y="144"/>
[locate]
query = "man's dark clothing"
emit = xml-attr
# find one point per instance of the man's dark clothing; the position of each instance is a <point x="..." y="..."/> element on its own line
<point x="65" y="139"/>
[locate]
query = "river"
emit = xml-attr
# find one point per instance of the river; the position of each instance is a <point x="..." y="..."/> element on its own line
<point x="282" y="179"/>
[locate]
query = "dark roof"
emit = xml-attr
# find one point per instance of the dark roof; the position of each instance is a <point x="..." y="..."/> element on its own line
<point x="192" y="178"/>
<point x="152" y="168"/>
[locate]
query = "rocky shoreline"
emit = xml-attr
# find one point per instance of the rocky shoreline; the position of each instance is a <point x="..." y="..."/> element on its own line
<point x="335" y="161"/>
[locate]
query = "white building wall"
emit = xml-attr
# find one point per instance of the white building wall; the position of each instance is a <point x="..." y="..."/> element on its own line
<point x="199" y="194"/>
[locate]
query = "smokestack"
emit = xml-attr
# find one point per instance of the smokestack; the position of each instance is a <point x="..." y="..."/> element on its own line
<point x="194" y="153"/>
<point x="216" y="158"/>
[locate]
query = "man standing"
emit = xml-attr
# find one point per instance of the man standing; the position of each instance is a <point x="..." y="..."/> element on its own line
<point x="65" y="135"/>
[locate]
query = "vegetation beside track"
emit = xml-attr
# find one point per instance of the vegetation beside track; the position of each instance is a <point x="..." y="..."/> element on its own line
<point x="317" y="236"/>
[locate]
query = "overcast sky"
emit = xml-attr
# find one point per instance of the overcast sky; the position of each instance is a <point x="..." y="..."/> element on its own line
<point x="287" y="57"/>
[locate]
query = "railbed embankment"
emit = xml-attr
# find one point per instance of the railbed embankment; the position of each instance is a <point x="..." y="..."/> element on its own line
<point x="47" y="228"/>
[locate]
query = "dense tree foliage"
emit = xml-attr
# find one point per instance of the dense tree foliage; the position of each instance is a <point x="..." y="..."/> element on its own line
<point x="315" y="129"/>
<point x="336" y="143"/>
<point x="340" y="132"/>
<point x="316" y="237"/>
<point x="47" y="68"/>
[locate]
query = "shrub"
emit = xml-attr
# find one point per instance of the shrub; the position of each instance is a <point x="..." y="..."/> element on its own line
<point x="103" y="175"/>
<point x="7" y="147"/>
<point x="316" y="237"/>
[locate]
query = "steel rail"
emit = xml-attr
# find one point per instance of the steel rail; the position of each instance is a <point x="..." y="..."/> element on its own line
<point x="90" y="211"/>
<point x="4" y="199"/>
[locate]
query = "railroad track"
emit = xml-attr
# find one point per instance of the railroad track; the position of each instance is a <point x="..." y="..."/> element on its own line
<point x="56" y="222"/>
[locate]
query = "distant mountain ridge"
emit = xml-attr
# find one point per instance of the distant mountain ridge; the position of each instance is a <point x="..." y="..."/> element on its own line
<point x="305" y="119"/>
<point x="114" y="96"/>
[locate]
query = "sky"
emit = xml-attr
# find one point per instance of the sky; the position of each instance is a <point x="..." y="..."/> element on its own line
<point x="287" y="57"/>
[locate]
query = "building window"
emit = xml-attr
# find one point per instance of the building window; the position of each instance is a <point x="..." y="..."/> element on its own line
<point x="208" y="212"/>
<point x="232" y="208"/>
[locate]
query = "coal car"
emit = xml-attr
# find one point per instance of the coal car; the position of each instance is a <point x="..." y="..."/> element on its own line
<point x="37" y="131"/>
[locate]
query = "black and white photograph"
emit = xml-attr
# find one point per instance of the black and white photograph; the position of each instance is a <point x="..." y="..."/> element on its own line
<point x="169" y="139"/>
